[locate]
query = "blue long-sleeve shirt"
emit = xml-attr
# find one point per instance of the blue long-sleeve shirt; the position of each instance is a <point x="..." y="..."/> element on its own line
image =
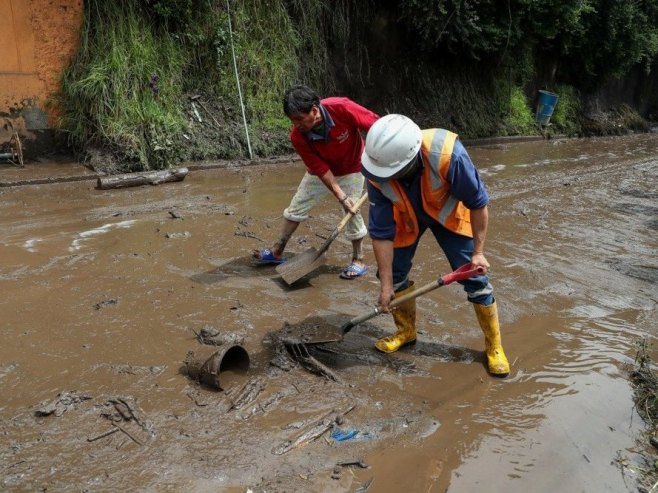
<point x="465" y="184"/>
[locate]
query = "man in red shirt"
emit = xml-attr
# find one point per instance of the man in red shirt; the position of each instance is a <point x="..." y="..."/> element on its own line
<point x="327" y="136"/>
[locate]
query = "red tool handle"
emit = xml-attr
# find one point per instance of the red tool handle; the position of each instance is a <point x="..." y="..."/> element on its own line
<point x="466" y="271"/>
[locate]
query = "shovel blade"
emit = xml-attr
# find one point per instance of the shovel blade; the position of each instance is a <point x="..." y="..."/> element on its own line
<point x="299" y="266"/>
<point x="312" y="331"/>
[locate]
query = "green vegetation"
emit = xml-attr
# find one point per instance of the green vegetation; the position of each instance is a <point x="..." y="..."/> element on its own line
<point x="567" y="110"/>
<point x="154" y="81"/>
<point x="595" y="39"/>
<point x="519" y="120"/>
<point x="122" y="91"/>
<point x="155" y="85"/>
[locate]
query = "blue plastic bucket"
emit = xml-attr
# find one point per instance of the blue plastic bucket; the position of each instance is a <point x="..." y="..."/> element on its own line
<point x="545" y="107"/>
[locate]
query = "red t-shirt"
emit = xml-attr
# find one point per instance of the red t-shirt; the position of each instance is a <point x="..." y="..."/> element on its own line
<point x="341" y="152"/>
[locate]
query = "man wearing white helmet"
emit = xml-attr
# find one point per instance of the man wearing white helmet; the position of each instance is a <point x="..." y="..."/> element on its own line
<point x="419" y="180"/>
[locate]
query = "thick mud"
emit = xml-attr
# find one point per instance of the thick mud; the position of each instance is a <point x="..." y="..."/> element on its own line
<point x="103" y="294"/>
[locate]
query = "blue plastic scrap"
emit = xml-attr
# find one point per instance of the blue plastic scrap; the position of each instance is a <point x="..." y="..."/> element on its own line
<point x="341" y="435"/>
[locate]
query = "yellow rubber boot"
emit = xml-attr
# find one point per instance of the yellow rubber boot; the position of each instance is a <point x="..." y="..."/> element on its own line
<point x="496" y="359"/>
<point x="405" y="321"/>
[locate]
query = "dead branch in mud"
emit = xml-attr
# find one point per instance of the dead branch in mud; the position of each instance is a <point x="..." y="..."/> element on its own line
<point x="61" y="403"/>
<point x="144" y="178"/>
<point x="248" y="394"/>
<point x="126" y="410"/>
<point x="103" y="435"/>
<point x="128" y="434"/>
<point x="315" y="431"/>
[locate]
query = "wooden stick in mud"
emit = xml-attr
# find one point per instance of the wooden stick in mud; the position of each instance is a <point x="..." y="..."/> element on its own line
<point x="142" y="178"/>
<point x="315" y="431"/>
<point x="128" y="434"/>
<point x="103" y="435"/>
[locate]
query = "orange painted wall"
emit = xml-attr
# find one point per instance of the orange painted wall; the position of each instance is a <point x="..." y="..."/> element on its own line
<point x="38" y="39"/>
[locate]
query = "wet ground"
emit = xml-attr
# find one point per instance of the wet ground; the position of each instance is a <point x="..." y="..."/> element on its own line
<point x="103" y="293"/>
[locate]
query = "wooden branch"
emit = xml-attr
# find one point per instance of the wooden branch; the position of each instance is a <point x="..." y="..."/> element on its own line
<point x="102" y="435"/>
<point x="144" y="178"/>
<point x="316" y="430"/>
<point x="128" y="434"/>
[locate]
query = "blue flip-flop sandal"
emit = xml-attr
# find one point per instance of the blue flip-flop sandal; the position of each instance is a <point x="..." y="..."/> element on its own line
<point x="353" y="271"/>
<point x="266" y="257"/>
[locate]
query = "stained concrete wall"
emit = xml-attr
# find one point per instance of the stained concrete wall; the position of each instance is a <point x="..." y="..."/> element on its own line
<point x="38" y="38"/>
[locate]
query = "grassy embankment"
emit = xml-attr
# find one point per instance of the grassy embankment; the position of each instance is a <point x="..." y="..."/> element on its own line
<point x="154" y="83"/>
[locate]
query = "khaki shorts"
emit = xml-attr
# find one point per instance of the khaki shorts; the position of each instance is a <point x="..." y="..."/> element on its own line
<point x="311" y="190"/>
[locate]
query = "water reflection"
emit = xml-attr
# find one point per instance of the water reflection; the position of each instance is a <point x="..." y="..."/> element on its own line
<point x="565" y="227"/>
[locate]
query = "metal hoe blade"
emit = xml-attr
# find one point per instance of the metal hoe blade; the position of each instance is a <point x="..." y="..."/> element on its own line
<point x="302" y="264"/>
<point x="310" y="333"/>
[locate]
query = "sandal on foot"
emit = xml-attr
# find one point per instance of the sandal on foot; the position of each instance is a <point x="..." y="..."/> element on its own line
<point x="265" y="256"/>
<point x="353" y="271"/>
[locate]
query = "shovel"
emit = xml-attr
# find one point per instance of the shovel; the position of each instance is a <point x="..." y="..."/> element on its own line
<point x="311" y="259"/>
<point x="466" y="271"/>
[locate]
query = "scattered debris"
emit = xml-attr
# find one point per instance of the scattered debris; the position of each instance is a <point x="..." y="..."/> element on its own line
<point x="194" y="397"/>
<point x="246" y="234"/>
<point x="196" y="113"/>
<point x="353" y="462"/>
<point x="249" y="393"/>
<point x="342" y="435"/>
<point x="62" y="403"/>
<point x="211" y="336"/>
<point x="365" y="487"/>
<point x="644" y="379"/>
<point x="282" y="358"/>
<point x="125" y="408"/>
<point x="104" y="303"/>
<point x="103" y="435"/>
<point x="264" y="406"/>
<point x="184" y="234"/>
<point x="125" y="432"/>
<point x="319" y="428"/>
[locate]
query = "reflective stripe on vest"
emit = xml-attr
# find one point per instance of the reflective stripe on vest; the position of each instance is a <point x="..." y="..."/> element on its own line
<point x="438" y="202"/>
<point x="436" y="151"/>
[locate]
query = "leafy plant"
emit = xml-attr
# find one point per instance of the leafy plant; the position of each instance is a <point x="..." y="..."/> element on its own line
<point x="124" y="83"/>
<point x="567" y="110"/>
<point x="519" y="119"/>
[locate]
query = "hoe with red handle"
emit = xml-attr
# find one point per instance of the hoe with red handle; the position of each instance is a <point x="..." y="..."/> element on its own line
<point x="317" y="331"/>
<point x="466" y="271"/>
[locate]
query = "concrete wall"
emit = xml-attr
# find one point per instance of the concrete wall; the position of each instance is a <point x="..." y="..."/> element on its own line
<point x="38" y="39"/>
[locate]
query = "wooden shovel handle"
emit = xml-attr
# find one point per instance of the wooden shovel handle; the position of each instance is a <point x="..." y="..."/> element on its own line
<point x="342" y="224"/>
<point x="466" y="271"/>
<point x="461" y="274"/>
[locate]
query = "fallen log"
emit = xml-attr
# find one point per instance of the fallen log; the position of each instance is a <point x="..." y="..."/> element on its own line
<point x="141" y="178"/>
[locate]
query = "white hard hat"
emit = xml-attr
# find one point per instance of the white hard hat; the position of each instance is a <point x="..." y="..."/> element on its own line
<point x="392" y="142"/>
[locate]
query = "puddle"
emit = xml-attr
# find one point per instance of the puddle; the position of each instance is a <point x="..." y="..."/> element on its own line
<point x="103" y="293"/>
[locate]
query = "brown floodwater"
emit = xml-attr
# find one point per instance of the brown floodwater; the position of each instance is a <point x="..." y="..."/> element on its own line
<point x="103" y="293"/>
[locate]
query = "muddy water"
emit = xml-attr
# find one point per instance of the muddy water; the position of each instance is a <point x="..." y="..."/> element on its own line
<point x="102" y="293"/>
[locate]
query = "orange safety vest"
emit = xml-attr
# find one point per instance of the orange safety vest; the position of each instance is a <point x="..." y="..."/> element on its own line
<point x="436" y="151"/>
